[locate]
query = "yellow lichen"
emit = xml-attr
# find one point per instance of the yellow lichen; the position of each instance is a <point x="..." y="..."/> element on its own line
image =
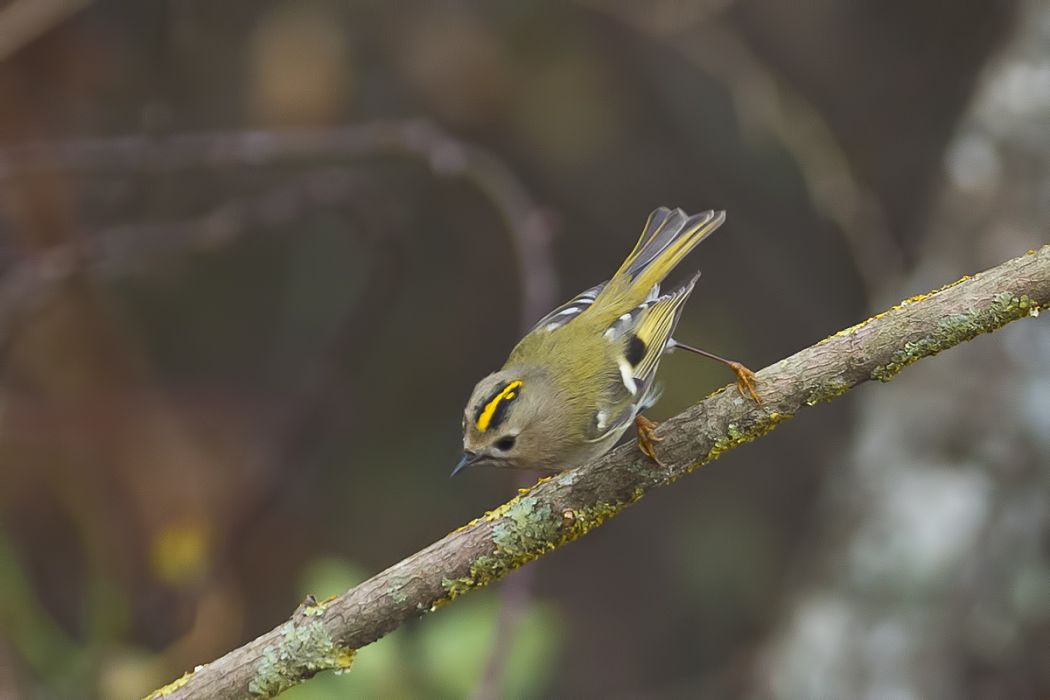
<point x="466" y="526"/>
<point x="170" y="687"/>
<point x="910" y="300"/>
<point x="827" y="391"/>
<point x="956" y="329"/>
<point x="736" y="436"/>
<point x="303" y="648"/>
<point x="526" y="530"/>
<point x="500" y="511"/>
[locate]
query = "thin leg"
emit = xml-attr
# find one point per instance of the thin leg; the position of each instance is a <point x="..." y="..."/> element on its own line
<point x="647" y="438"/>
<point x="745" y="378"/>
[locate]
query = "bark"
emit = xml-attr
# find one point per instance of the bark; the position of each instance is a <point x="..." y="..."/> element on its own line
<point x="557" y="510"/>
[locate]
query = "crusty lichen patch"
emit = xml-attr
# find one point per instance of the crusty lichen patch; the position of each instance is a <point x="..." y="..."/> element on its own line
<point x="397" y="593"/>
<point x="304" y="648"/>
<point x="737" y="435"/>
<point x="524" y="530"/>
<point x="500" y="511"/>
<point x="959" y="328"/>
<point x="827" y="391"/>
<point x="907" y="302"/>
<point x="170" y="687"/>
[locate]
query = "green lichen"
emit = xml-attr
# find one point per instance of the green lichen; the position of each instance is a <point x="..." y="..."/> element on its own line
<point x="827" y="391"/>
<point x="500" y="511"/>
<point x="311" y="608"/>
<point x="170" y="687"/>
<point x="907" y="302"/>
<point x="525" y="530"/>
<point x="304" y="648"/>
<point x="957" y="329"/>
<point x="397" y="594"/>
<point x="568" y="478"/>
<point x="737" y="435"/>
<point x="523" y="526"/>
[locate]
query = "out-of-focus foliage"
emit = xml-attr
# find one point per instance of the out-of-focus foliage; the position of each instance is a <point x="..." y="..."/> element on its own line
<point x="234" y="376"/>
<point x="445" y="657"/>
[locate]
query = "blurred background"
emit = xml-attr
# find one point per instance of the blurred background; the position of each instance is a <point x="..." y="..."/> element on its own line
<point x="254" y="256"/>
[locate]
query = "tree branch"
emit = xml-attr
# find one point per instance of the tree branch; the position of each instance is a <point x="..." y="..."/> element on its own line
<point x="324" y="636"/>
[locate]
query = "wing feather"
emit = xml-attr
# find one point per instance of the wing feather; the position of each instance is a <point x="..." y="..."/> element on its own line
<point x="569" y="310"/>
<point x="654" y="327"/>
<point x="639" y="340"/>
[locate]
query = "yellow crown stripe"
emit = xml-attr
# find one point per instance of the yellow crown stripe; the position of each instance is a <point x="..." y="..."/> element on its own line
<point x="490" y="408"/>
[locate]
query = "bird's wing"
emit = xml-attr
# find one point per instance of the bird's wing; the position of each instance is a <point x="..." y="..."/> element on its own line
<point x="639" y="339"/>
<point x="569" y="310"/>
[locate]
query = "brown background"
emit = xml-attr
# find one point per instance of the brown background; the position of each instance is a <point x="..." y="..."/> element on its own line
<point x="231" y="379"/>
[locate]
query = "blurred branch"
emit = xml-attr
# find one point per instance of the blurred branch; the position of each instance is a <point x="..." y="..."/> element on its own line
<point x="229" y="149"/>
<point x="128" y="246"/>
<point x="562" y="508"/>
<point x="125" y="250"/>
<point x="514" y="601"/>
<point x="765" y="103"/>
<point x="22" y="21"/>
<point x="325" y="386"/>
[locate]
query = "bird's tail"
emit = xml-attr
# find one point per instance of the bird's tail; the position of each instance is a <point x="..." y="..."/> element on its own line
<point x="669" y="236"/>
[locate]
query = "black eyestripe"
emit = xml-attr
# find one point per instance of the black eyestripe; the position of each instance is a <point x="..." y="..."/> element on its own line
<point x="502" y="398"/>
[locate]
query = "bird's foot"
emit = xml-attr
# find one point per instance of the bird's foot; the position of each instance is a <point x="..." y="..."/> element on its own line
<point x="647" y="438"/>
<point x="745" y="380"/>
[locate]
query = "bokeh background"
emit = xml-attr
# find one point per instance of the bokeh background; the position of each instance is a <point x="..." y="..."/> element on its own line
<point x="255" y="254"/>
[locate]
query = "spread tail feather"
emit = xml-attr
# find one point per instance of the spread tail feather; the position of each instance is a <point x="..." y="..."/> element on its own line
<point x="669" y="236"/>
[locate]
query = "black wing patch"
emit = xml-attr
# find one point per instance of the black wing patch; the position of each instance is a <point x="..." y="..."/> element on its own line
<point x="635" y="350"/>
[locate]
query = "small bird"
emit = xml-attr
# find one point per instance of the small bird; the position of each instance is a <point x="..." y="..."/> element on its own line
<point x="586" y="371"/>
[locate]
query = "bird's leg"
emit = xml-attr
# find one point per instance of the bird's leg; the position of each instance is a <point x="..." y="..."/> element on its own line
<point x="745" y="378"/>
<point x="647" y="437"/>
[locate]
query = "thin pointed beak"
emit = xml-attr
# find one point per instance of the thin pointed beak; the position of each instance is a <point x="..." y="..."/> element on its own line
<point x="468" y="459"/>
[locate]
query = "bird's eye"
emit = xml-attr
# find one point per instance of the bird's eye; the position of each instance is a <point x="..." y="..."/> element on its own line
<point x="505" y="444"/>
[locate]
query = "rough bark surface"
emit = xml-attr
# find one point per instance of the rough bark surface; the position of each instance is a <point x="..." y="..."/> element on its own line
<point x="325" y="636"/>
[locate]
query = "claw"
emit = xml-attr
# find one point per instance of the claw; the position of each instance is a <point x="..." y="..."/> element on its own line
<point x="745" y="381"/>
<point x="647" y="438"/>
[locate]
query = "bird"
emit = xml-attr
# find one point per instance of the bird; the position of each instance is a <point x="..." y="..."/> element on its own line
<point x="586" y="371"/>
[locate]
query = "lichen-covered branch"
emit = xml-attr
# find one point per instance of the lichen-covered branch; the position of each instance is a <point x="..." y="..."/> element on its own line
<point x="559" y="509"/>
